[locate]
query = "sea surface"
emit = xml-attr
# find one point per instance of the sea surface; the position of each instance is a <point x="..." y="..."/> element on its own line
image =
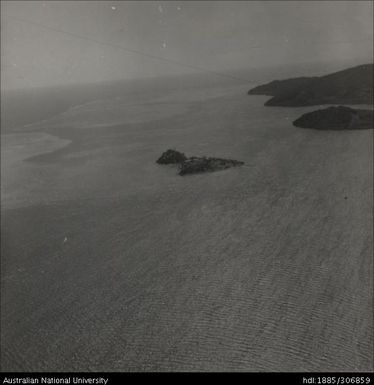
<point x="111" y="262"/>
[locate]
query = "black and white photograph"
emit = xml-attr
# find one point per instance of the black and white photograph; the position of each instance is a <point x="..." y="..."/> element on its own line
<point x="186" y="186"/>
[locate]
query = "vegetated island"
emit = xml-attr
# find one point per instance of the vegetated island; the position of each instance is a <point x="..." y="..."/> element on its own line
<point x="194" y="165"/>
<point x="350" y="86"/>
<point x="336" y="118"/>
<point x="171" y="157"/>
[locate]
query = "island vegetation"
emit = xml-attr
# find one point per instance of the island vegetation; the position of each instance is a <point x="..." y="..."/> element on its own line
<point x="350" y="86"/>
<point x="336" y="118"/>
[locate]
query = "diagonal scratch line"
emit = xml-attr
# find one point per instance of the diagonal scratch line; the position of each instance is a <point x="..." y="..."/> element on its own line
<point x="129" y="50"/>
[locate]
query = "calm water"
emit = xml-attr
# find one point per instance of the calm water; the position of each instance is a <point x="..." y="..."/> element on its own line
<point x="112" y="262"/>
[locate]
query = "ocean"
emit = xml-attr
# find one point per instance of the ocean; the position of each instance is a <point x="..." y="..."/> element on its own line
<point x="111" y="262"/>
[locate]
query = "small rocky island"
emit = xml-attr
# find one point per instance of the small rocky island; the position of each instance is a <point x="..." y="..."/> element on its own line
<point x="336" y="118"/>
<point x="194" y="165"/>
<point x="171" y="157"/>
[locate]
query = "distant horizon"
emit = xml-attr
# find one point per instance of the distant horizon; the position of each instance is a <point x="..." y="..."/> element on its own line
<point x="233" y="74"/>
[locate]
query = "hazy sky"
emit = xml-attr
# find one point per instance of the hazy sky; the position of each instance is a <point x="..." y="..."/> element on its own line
<point x="217" y="35"/>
